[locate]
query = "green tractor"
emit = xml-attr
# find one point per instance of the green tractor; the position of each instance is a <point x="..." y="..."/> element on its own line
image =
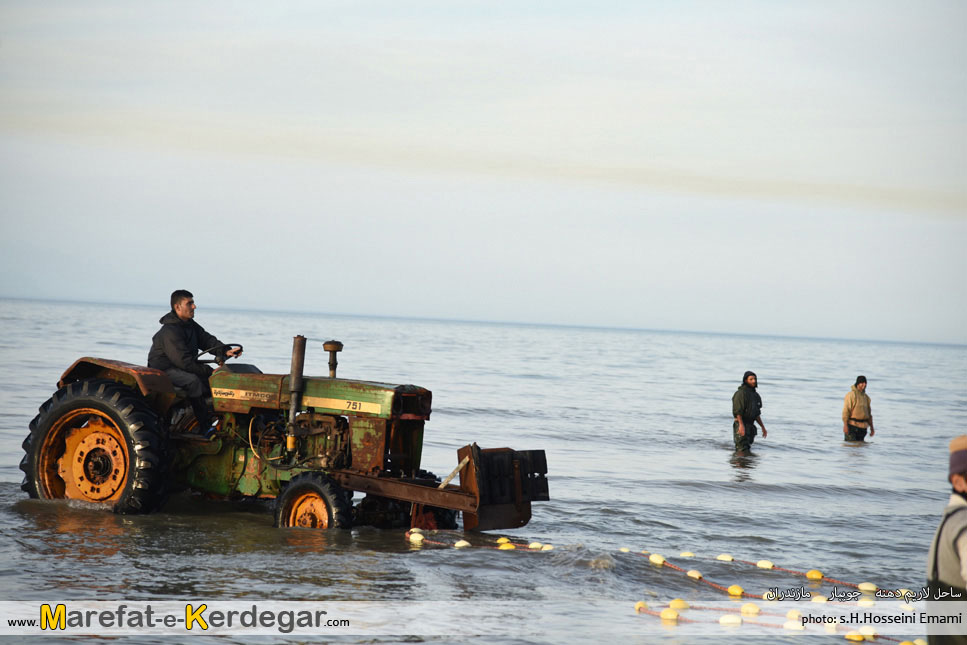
<point x="120" y="435"/>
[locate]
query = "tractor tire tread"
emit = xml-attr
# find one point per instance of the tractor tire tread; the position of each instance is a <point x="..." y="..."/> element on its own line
<point x="146" y="489"/>
<point x="337" y="501"/>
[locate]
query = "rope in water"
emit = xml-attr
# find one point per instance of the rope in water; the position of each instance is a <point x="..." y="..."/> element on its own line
<point x="805" y="574"/>
<point x="506" y="544"/>
<point x="813" y="574"/>
<point x="747" y="617"/>
<point x="734" y="590"/>
<point x="747" y="612"/>
<point x="679" y="619"/>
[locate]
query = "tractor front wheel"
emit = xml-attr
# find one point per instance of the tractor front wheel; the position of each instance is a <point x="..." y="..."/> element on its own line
<point x="97" y="441"/>
<point x="313" y="501"/>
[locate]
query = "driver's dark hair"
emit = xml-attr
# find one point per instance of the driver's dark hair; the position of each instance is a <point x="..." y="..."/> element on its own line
<point x="178" y="295"/>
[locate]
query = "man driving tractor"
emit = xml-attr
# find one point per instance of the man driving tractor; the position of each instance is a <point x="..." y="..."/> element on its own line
<point x="175" y="348"/>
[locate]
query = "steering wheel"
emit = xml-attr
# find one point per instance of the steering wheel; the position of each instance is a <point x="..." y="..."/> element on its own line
<point x="211" y="350"/>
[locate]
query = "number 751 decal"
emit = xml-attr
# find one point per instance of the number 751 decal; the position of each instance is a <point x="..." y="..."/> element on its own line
<point x="342" y="404"/>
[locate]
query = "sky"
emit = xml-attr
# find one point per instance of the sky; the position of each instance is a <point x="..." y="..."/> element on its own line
<point x="739" y="167"/>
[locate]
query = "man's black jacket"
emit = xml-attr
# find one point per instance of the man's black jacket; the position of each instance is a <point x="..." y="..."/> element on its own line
<point x="746" y="402"/>
<point x="177" y="344"/>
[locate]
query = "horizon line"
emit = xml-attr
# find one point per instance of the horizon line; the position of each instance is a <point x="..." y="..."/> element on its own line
<point x="507" y="322"/>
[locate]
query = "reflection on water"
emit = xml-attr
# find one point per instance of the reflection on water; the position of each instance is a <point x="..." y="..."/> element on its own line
<point x="197" y="548"/>
<point x="743" y="462"/>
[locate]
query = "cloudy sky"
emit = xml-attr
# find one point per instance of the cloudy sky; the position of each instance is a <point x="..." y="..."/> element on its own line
<point x="749" y="167"/>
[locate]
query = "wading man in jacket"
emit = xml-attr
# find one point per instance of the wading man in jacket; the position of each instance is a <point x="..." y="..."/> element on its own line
<point x="175" y="348"/>
<point x="856" y="412"/>
<point x="746" y="406"/>
<point x="947" y="558"/>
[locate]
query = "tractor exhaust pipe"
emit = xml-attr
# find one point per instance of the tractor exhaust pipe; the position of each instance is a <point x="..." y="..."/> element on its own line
<point x="333" y="347"/>
<point x="295" y="389"/>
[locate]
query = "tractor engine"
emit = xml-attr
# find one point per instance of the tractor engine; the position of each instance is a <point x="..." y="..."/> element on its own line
<point x="324" y="439"/>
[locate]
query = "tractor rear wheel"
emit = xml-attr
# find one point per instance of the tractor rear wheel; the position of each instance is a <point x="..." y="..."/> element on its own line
<point x="97" y="441"/>
<point x="313" y="501"/>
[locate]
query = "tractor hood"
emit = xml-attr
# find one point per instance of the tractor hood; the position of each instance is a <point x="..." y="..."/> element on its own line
<point x="235" y="392"/>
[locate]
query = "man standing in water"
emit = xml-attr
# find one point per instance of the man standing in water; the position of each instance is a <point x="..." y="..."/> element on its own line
<point x="175" y="348"/>
<point x="746" y="406"/>
<point x="856" y="412"/>
<point x="947" y="559"/>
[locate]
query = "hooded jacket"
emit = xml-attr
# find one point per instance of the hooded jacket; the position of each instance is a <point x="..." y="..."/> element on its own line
<point x="747" y="403"/>
<point x="856" y="408"/>
<point x="177" y="344"/>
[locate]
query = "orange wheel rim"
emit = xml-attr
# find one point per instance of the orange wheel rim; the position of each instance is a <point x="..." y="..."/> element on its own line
<point x="84" y="456"/>
<point x="308" y="511"/>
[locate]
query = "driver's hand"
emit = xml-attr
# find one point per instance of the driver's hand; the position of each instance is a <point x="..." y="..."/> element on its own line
<point x="235" y="351"/>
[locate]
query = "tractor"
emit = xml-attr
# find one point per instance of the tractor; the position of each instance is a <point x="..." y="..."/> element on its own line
<point x="120" y="435"/>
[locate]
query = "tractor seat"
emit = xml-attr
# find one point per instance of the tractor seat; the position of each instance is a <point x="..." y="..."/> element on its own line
<point x="181" y="396"/>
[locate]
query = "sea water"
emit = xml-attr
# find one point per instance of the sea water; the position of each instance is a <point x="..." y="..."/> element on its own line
<point x="637" y="430"/>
